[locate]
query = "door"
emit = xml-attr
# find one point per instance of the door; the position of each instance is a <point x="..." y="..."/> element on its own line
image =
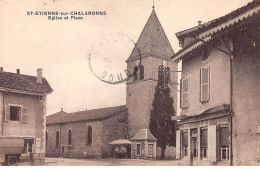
<point x="62" y="151"/>
<point x="194" y="149"/>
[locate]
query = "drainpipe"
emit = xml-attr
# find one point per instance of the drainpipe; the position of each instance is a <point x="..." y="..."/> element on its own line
<point x="230" y="115"/>
<point x="231" y="110"/>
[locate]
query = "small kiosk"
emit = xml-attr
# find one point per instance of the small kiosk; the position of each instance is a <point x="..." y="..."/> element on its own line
<point x="143" y="145"/>
<point x="122" y="148"/>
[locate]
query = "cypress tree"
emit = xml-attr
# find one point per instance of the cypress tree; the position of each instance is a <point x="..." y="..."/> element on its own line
<point x="161" y="125"/>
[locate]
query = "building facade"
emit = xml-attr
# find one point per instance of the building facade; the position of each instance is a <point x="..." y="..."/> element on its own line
<point x="85" y="134"/>
<point x="23" y="102"/>
<point x="220" y="90"/>
<point x="151" y="51"/>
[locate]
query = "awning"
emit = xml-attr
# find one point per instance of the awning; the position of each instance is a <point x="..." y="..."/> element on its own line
<point x="120" y="141"/>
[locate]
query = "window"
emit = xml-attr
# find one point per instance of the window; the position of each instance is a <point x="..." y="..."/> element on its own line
<point x="204" y="142"/>
<point x="205" y="53"/>
<point x="141" y="72"/>
<point x="15" y="113"/>
<point x="185" y="92"/>
<point x="167" y="75"/>
<point x="135" y="74"/>
<point x="69" y="137"/>
<point x="224" y="152"/>
<point x="224" y="145"/>
<point x="138" y="149"/>
<point x="89" y="138"/>
<point x="184" y="143"/>
<point x="204" y="84"/>
<point x="57" y="139"/>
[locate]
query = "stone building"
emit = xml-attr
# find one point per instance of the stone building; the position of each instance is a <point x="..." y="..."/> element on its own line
<point x="219" y="122"/>
<point x="85" y="134"/>
<point x="155" y="50"/>
<point x="151" y="51"/>
<point x="23" y="112"/>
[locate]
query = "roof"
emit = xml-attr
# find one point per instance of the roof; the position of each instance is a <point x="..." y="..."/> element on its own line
<point x="152" y="41"/>
<point x="144" y="134"/>
<point x="23" y="83"/>
<point x="88" y="115"/>
<point x="212" y="28"/>
<point x="121" y="141"/>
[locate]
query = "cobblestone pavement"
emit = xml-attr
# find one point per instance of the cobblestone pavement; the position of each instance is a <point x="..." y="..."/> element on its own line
<point x="104" y="162"/>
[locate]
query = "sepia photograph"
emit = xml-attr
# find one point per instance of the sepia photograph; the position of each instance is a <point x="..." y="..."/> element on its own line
<point x="129" y="83"/>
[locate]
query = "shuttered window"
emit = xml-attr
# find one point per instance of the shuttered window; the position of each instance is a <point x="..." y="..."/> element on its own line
<point x="185" y="92"/>
<point x="16" y="113"/>
<point x="204" y="84"/>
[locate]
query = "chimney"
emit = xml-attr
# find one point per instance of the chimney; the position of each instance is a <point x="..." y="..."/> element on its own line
<point x="39" y="76"/>
<point x="1" y="69"/>
<point x="61" y="109"/>
<point x="199" y="22"/>
<point x="18" y="71"/>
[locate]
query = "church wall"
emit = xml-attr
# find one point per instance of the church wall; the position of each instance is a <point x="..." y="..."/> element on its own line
<point x="113" y="128"/>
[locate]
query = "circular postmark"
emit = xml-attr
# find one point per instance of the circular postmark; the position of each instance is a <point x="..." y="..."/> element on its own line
<point x="107" y="58"/>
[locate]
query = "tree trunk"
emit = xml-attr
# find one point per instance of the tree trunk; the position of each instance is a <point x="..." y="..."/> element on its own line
<point x="163" y="153"/>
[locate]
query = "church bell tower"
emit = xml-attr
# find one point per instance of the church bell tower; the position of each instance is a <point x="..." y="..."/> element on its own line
<point x="151" y="50"/>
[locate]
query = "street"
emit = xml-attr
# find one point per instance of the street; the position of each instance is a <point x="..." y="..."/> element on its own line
<point x="104" y="162"/>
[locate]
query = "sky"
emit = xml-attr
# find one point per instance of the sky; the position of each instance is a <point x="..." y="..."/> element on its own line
<point x="62" y="47"/>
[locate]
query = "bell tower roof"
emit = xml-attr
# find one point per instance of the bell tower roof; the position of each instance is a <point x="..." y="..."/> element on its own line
<point x="152" y="41"/>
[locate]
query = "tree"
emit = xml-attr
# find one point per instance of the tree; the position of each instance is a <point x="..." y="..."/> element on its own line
<point x="161" y="125"/>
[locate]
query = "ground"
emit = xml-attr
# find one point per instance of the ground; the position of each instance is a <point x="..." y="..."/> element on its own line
<point x="104" y="162"/>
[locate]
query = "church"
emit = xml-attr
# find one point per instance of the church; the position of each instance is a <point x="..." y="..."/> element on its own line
<point x="103" y="133"/>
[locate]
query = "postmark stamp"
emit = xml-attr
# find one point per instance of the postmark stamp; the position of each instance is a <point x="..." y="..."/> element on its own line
<point x="107" y="58"/>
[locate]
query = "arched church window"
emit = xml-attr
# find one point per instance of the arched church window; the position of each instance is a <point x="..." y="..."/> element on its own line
<point x="69" y="137"/>
<point x="135" y="73"/>
<point x="57" y="139"/>
<point x="89" y="138"/>
<point x="160" y="72"/>
<point x="141" y="72"/>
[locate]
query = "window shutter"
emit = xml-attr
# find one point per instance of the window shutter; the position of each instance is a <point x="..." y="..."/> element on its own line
<point x="185" y="93"/>
<point x="180" y="93"/>
<point x="212" y="139"/>
<point x="204" y="84"/>
<point x="178" y="144"/>
<point x="7" y="113"/>
<point x="24" y="114"/>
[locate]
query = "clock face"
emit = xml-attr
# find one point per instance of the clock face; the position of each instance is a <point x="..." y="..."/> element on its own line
<point x="108" y="55"/>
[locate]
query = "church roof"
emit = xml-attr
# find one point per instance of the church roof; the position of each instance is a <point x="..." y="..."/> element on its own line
<point x="88" y="115"/>
<point x="152" y="41"/>
<point x="144" y="134"/>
